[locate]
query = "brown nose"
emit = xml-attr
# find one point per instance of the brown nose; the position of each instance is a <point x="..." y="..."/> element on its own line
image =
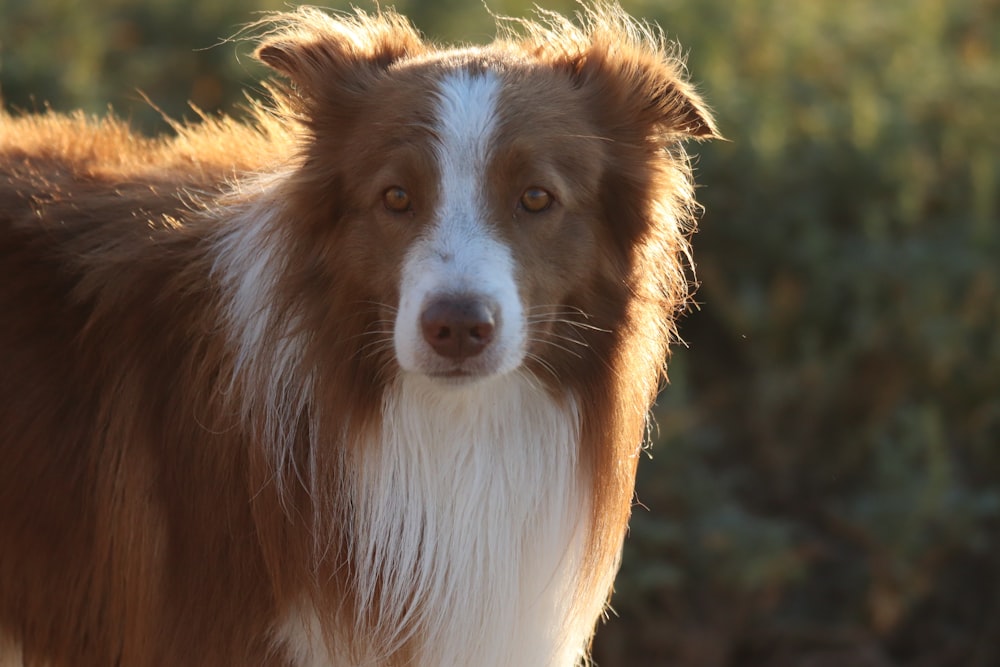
<point x="458" y="327"/>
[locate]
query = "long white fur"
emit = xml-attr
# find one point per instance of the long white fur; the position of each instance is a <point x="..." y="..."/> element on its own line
<point x="300" y="635"/>
<point x="251" y="252"/>
<point x="471" y="522"/>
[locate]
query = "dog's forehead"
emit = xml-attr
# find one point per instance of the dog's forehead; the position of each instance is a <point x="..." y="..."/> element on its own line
<point x="536" y="96"/>
<point x="512" y="69"/>
<point x="470" y="59"/>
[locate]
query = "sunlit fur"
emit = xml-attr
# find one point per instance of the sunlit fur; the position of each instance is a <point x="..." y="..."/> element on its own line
<point x="225" y="440"/>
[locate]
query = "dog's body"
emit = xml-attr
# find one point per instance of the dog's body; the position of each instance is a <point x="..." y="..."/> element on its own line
<point x="363" y="383"/>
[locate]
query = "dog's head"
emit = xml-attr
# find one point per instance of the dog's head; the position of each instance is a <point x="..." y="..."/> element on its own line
<point x="492" y="208"/>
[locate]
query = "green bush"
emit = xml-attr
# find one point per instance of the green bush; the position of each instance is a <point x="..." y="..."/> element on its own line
<point x="825" y="483"/>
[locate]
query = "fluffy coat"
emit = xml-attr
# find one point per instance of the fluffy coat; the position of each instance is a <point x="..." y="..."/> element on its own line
<point x="226" y="441"/>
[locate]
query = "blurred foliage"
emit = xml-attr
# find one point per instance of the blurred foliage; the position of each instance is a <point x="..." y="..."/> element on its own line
<point x="825" y="485"/>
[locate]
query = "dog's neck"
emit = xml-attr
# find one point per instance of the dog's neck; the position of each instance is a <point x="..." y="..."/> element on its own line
<point x="468" y="528"/>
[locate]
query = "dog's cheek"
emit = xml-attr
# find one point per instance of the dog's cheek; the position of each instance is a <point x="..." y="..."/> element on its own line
<point x="555" y="262"/>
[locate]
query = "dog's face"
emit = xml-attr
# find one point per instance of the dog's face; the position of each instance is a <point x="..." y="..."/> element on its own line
<point x="487" y="203"/>
<point x="487" y="219"/>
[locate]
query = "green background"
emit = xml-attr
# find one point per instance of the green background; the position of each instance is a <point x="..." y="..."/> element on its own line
<point x="824" y="489"/>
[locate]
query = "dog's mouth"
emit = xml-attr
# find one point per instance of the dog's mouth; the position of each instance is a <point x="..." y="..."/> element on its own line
<point x="459" y="374"/>
<point x="454" y="373"/>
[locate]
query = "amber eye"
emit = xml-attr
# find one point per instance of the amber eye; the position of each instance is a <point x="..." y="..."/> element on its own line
<point x="536" y="200"/>
<point x="396" y="199"/>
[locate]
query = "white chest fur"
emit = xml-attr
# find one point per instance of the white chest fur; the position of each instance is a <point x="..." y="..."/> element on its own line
<point x="469" y="527"/>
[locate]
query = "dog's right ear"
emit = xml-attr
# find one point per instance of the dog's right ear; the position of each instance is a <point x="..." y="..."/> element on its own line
<point x="315" y="49"/>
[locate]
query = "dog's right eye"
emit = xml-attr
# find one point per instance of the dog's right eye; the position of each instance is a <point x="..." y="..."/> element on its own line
<point x="536" y="200"/>
<point x="396" y="199"/>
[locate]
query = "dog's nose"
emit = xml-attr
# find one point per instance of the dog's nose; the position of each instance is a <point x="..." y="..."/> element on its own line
<point x="458" y="327"/>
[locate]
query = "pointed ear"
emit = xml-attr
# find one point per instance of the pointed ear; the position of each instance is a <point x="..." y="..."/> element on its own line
<point x="635" y="68"/>
<point x="314" y="49"/>
<point x="627" y="65"/>
<point x="680" y="109"/>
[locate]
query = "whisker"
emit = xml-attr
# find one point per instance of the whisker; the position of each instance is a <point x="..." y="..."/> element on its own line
<point x="384" y="371"/>
<point x="379" y="304"/>
<point x="541" y="363"/>
<point x="565" y="349"/>
<point x="572" y="323"/>
<point x="372" y="332"/>
<point x="562" y="314"/>
<point x="560" y="307"/>
<point x="375" y="348"/>
<point x="570" y="339"/>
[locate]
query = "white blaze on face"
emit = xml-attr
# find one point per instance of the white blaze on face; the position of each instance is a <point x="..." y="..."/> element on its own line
<point x="460" y="256"/>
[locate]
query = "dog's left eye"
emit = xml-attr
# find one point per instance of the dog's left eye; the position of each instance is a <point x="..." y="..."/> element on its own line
<point x="396" y="199"/>
<point x="536" y="200"/>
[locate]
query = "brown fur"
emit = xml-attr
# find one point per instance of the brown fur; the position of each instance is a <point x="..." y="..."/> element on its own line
<point x="143" y="519"/>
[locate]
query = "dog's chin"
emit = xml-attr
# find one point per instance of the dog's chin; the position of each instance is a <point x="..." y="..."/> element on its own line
<point x="459" y="377"/>
<point x="456" y="379"/>
<point x="446" y="373"/>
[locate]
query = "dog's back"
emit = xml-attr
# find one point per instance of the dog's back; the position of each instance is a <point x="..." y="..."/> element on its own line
<point x="102" y="299"/>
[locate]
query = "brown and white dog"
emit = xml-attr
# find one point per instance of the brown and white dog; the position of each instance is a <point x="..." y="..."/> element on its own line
<point x="361" y="382"/>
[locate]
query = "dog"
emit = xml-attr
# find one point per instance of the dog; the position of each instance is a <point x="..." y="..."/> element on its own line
<point x="362" y="379"/>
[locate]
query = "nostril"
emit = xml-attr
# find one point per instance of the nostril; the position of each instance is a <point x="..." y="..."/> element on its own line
<point x="482" y="331"/>
<point x="458" y="327"/>
<point x="438" y="331"/>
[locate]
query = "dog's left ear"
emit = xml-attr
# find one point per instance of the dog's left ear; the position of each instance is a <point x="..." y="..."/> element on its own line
<point x="648" y="84"/>
<point x="628" y="67"/>
<point x="682" y="111"/>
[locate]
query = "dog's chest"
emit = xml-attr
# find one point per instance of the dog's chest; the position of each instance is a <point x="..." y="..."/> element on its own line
<point x="468" y="528"/>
